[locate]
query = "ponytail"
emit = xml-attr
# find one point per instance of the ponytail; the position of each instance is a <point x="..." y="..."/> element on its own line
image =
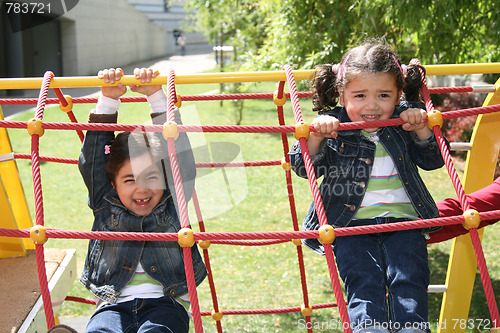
<point x="324" y="88"/>
<point x="413" y="82"/>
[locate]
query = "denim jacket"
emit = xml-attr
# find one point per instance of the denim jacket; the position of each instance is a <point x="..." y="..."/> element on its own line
<point x="345" y="163"/>
<point x="111" y="264"/>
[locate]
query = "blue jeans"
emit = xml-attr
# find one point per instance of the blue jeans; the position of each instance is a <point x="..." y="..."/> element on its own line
<point x="386" y="276"/>
<point x="163" y="314"/>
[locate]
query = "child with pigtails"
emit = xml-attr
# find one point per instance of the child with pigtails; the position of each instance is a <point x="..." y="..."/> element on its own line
<point x="370" y="177"/>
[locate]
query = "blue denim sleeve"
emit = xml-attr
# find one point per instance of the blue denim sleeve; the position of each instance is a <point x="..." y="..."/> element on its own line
<point x="297" y="160"/>
<point x="426" y="154"/>
<point x="91" y="166"/>
<point x="185" y="158"/>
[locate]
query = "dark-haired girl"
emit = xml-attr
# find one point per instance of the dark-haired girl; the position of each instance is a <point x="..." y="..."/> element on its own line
<point x="370" y="177"/>
<point x="140" y="285"/>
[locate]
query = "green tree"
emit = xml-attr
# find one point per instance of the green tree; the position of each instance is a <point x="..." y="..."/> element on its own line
<point x="303" y="33"/>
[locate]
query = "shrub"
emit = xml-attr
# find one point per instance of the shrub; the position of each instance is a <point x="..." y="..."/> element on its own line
<point x="459" y="129"/>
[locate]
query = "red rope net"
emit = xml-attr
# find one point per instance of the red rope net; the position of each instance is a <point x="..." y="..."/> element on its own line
<point x="237" y="238"/>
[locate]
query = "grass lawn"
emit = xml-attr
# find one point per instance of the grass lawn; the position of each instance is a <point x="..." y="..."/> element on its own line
<point x="255" y="200"/>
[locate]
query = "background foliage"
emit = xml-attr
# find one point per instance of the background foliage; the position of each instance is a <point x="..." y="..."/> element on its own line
<point x="303" y="33"/>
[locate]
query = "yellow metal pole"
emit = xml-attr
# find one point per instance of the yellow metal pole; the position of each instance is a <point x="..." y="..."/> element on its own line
<point x="223" y="77"/>
<point x="479" y="172"/>
<point x="9" y="246"/>
<point x="14" y="190"/>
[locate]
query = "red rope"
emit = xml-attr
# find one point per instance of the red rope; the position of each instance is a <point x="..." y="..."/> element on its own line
<point x="182" y="205"/>
<point x="245" y="238"/>
<point x="206" y="257"/>
<point x="204" y="97"/>
<point x="291" y="201"/>
<point x="481" y="261"/>
<point x="273" y="235"/>
<point x="485" y="277"/>
<point x="271" y="311"/>
<point x="37" y="188"/>
<point x="337" y="290"/>
<point x="80" y="300"/>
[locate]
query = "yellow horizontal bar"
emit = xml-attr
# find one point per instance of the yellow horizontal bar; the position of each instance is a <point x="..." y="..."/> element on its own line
<point x="223" y="77"/>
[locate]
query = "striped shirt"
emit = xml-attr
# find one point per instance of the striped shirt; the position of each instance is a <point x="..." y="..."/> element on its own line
<point x="144" y="286"/>
<point x="385" y="195"/>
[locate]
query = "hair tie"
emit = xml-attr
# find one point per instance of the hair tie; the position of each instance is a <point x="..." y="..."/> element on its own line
<point x="341" y="68"/>
<point x="403" y="71"/>
<point x="107" y="149"/>
<point x="335" y="68"/>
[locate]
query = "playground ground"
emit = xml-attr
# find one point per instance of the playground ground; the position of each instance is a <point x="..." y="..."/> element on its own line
<point x="195" y="61"/>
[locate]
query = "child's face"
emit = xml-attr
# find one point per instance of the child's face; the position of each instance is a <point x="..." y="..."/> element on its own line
<point x="139" y="185"/>
<point x="371" y="97"/>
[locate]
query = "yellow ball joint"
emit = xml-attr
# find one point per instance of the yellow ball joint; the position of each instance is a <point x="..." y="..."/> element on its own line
<point x="279" y="101"/>
<point x="285" y="165"/>
<point x="170" y="130"/>
<point x="326" y="234"/>
<point x="472" y="219"/>
<point x="68" y="107"/>
<point x="217" y="316"/>
<point x="302" y="130"/>
<point x="179" y="101"/>
<point x="37" y="234"/>
<point x="306" y="311"/>
<point x="297" y="242"/>
<point x="434" y="118"/>
<point x="35" y="127"/>
<point x="186" y="237"/>
<point x="204" y="244"/>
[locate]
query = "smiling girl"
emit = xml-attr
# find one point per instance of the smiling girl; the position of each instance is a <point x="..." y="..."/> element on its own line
<point x="140" y="285"/>
<point x="370" y="177"/>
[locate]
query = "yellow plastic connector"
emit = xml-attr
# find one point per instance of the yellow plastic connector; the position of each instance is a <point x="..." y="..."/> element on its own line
<point x="179" y="101"/>
<point x="279" y="101"/>
<point x="472" y="219"/>
<point x="302" y="130"/>
<point x="68" y="107"/>
<point x="170" y="130"/>
<point x="186" y="237"/>
<point x="297" y="242"/>
<point x="35" y="127"/>
<point x="285" y="165"/>
<point x="217" y="316"/>
<point x="495" y="330"/>
<point x="306" y="311"/>
<point x="326" y="234"/>
<point x="434" y="118"/>
<point x="37" y="234"/>
<point x="204" y="244"/>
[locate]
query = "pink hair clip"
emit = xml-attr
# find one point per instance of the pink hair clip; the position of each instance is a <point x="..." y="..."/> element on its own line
<point x="341" y="68"/>
<point x="402" y="68"/>
<point x="107" y="149"/>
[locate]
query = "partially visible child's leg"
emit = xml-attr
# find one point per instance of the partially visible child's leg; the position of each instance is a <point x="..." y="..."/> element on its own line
<point x="163" y="314"/>
<point x="112" y="318"/>
<point x="408" y="275"/>
<point x="361" y="267"/>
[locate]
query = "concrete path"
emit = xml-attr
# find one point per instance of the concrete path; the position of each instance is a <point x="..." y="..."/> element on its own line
<point x="196" y="61"/>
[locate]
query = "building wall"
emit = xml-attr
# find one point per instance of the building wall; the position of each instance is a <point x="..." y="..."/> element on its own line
<point x="98" y="34"/>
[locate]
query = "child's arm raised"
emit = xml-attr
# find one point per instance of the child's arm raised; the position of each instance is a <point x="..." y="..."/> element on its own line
<point x="93" y="153"/>
<point x="158" y="102"/>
